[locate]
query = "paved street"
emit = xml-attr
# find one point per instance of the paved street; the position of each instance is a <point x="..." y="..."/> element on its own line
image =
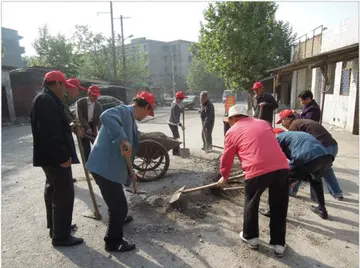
<point x="210" y="240"/>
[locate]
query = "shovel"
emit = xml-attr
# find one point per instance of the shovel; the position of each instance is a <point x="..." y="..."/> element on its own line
<point x="184" y="152"/>
<point x="134" y="182"/>
<point x="96" y="214"/>
<point x="176" y="196"/>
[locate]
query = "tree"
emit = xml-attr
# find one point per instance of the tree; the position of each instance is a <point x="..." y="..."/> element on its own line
<point x="54" y="51"/>
<point x="241" y="40"/>
<point x="200" y="79"/>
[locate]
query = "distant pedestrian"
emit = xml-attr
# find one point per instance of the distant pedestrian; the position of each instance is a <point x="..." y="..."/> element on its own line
<point x="88" y="111"/>
<point x="265" y="166"/>
<point x="289" y="121"/>
<point x="207" y="114"/>
<point x="174" y="118"/>
<point x="118" y="138"/>
<point x="265" y="101"/>
<point x="54" y="149"/>
<point x="310" y="109"/>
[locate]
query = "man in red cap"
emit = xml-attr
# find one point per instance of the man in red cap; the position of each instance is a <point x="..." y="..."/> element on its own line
<point x="265" y="101"/>
<point x="289" y="121"/>
<point x="174" y="118"/>
<point x="54" y="150"/>
<point x="118" y="138"/>
<point x="88" y="111"/>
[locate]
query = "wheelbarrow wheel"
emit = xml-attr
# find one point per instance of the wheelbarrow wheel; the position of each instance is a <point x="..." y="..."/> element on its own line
<point x="151" y="161"/>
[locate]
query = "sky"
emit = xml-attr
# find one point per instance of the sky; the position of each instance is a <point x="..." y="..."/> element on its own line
<point x="165" y="21"/>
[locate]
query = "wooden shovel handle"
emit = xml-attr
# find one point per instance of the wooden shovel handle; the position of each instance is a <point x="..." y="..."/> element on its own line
<point x="130" y="171"/>
<point x="211" y="185"/>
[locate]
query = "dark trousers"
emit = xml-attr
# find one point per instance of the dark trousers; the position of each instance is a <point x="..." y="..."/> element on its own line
<point x="59" y="200"/>
<point x="206" y="135"/>
<point x="176" y="135"/>
<point x="114" y="197"/>
<point x="312" y="172"/>
<point x="278" y="185"/>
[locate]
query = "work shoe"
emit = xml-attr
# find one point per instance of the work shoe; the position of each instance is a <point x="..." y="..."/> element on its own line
<point x="73" y="229"/>
<point x="253" y="243"/>
<point x="123" y="247"/>
<point x="71" y="241"/>
<point x="128" y="219"/>
<point x="265" y="212"/>
<point x="319" y="211"/>
<point x="279" y="250"/>
<point x="339" y="197"/>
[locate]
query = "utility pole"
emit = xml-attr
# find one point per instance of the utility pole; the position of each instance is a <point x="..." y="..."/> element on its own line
<point x="123" y="46"/>
<point x="113" y="39"/>
<point x="173" y="69"/>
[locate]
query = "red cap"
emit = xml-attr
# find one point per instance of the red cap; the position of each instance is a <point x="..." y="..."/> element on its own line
<point x="278" y="130"/>
<point x="94" y="90"/>
<point x="54" y="76"/>
<point x="180" y="95"/>
<point x="75" y="82"/>
<point x="257" y="85"/>
<point x="284" y="114"/>
<point x="149" y="98"/>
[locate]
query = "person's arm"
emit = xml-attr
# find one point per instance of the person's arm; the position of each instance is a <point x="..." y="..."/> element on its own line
<point x="313" y="114"/>
<point x="113" y="123"/>
<point x="270" y="102"/>
<point x="177" y="112"/>
<point x="80" y="115"/>
<point x="53" y="136"/>
<point x="227" y="158"/>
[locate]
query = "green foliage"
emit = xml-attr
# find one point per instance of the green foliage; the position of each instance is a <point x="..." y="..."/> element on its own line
<point x="200" y="79"/>
<point x="86" y="54"/>
<point x="241" y="40"/>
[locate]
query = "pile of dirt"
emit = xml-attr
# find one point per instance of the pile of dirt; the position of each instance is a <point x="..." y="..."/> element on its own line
<point x="168" y="142"/>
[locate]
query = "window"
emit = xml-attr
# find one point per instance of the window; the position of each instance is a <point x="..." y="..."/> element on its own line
<point x="345" y="78"/>
<point x="331" y="77"/>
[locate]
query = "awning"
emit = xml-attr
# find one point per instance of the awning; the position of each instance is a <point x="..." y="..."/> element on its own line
<point x="342" y="54"/>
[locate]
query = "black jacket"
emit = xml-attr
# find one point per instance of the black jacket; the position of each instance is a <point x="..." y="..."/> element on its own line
<point x="268" y="109"/>
<point x="207" y="114"/>
<point x="52" y="137"/>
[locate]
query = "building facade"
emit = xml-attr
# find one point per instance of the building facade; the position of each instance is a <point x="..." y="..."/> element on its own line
<point x="11" y="59"/>
<point x="168" y="62"/>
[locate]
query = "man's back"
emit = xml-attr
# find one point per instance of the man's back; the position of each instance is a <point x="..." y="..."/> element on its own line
<point x="256" y="147"/>
<point x="300" y="147"/>
<point x="313" y="128"/>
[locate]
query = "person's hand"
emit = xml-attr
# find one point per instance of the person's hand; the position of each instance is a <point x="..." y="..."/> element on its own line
<point x="262" y="104"/>
<point x="125" y="148"/>
<point x="294" y="112"/>
<point x="67" y="163"/>
<point x="221" y="182"/>
<point x="89" y="132"/>
<point x="183" y="128"/>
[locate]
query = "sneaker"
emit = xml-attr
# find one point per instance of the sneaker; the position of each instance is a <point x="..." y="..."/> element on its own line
<point x="339" y="197"/>
<point x="279" y="250"/>
<point x="123" y="247"/>
<point x="319" y="211"/>
<point x="253" y="243"/>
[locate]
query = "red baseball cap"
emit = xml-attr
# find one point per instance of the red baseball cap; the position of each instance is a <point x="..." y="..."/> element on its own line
<point x="284" y="114"/>
<point x="149" y="98"/>
<point x="180" y="95"/>
<point x="75" y="82"/>
<point x="94" y="90"/>
<point x="278" y="130"/>
<point x="54" y="76"/>
<point x="257" y="85"/>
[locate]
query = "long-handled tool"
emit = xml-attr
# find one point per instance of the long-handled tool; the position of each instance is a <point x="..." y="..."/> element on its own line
<point x="94" y="214"/>
<point x="176" y="196"/>
<point x="133" y="182"/>
<point x="184" y="152"/>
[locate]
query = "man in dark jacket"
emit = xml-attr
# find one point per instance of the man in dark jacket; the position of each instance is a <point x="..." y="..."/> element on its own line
<point x="54" y="151"/>
<point x="174" y="118"/>
<point x="265" y="101"/>
<point x="310" y="109"/>
<point x="207" y="114"/>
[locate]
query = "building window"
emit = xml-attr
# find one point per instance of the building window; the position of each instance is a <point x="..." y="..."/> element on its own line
<point x="345" y="78"/>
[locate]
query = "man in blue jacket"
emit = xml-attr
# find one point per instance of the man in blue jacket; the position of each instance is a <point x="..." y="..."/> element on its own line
<point x="118" y="138"/>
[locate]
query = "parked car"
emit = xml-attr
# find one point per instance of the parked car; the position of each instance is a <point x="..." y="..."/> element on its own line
<point x="192" y="102"/>
<point x="168" y="99"/>
<point x="106" y="102"/>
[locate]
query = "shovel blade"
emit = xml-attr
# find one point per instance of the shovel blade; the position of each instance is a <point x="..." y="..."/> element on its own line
<point x="176" y="196"/>
<point x="185" y="152"/>
<point x="92" y="215"/>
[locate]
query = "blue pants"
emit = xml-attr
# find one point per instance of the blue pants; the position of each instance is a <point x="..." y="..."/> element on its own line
<point x="329" y="177"/>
